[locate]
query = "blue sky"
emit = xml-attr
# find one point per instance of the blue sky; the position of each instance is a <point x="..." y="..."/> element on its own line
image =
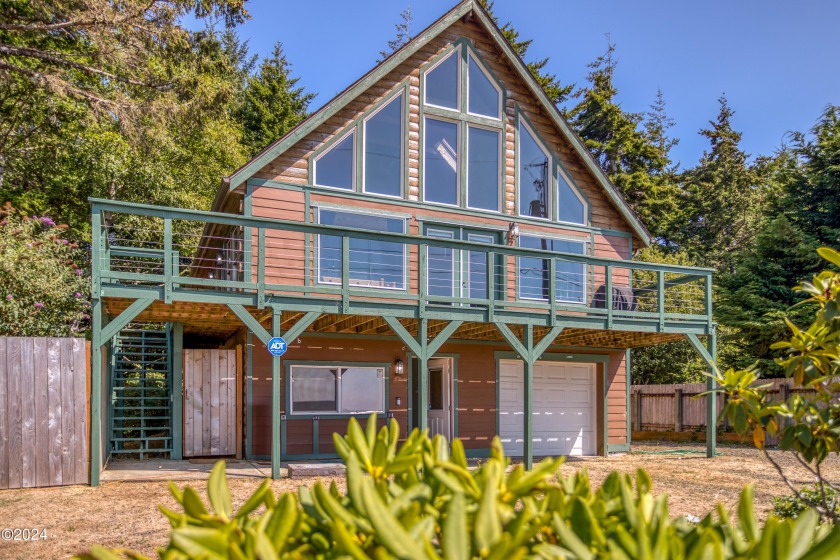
<point x="776" y="61"/>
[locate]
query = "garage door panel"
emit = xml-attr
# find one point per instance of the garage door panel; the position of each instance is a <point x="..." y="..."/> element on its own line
<point x="564" y="408"/>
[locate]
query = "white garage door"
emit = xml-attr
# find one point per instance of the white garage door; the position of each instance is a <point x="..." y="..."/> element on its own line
<point x="564" y="408"/>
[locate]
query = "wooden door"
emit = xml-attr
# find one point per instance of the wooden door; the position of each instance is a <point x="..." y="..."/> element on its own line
<point x="209" y="403"/>
<point x="440" y="398"/>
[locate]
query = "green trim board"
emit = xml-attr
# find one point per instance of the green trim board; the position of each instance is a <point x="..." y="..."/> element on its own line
<point x="249" y="395"/>
<point x="177" y="393"/>
<point x="391" y="63"/>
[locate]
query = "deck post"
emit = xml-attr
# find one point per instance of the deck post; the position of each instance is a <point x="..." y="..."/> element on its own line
<point x="709" y="353"/>
<point x="96" y="393"/>
<point x="711" y="400"/>
<point x="177" y="394"/>
<point x="276" y="456"/>
<point x="528" y="427"/>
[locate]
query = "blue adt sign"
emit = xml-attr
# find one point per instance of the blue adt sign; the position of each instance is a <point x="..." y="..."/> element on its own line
<point x="277" y="346"/>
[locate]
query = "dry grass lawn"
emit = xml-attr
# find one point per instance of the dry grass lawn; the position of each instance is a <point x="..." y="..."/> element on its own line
<point x="125" y="514"/>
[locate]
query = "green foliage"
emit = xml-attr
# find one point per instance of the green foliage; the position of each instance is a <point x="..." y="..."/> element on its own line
<point x="44" y="291"/>
<point x="808" y="424"/>
<point x="791" y="507"/>
<point x="722" y="198"/>
<point x="272" y="103"/>
<point x="403" y="29"/>
<point x="554" y="89"/>
<point x="421" y="500"/>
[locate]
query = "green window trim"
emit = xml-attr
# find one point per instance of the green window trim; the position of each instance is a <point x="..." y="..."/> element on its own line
<point x="287" y="400"/>
<point x="357" y="128"/>
<point x="327" y="150"/>
<point x="557" y="169"/>
<point x="463" y="49"/>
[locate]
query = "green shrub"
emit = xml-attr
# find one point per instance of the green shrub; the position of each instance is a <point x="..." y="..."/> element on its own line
<point x="790" y="507"/>
<point x="43" y="289"/>
<point x="420" y="500"/>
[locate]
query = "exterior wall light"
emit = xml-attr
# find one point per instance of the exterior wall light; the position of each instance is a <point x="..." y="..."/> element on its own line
<point x="399" y="368"/>
<point x="513" y="233"/>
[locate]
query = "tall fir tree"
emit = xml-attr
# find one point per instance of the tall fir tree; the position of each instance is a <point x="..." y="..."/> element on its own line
<point x="634" y="153"/>
<point x="722" y="197"/>
<point x="273" y="103"/>
<point x="403" y="36"/>
<point x="556" y="91"/>
<point x="815" y="190"/>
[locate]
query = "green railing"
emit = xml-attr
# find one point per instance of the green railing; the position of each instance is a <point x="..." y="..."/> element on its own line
<point x="174" y="254"/>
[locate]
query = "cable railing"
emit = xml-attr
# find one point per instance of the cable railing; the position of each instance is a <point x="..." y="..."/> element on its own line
<point x="186" y="250"/>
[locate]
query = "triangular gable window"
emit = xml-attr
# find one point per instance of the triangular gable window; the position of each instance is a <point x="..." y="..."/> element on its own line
<point x="571" y="204"/>
<point x="484" y="97"/>
<point x="442" y="82"/>
<point x="335" y="167"/>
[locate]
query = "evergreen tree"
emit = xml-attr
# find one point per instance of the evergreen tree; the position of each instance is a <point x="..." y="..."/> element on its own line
<point x="815" y="191"/>
<point x="632" y="151"/>
<point x="722" y="197"/>
<point x="403" y="34"/>
<point x="556" y="91"/>
<point x="273" y="104"/>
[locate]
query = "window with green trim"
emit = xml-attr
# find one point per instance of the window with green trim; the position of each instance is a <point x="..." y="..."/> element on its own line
<point x="346" y="389"/>
<point x="383" y="164"/>
<point x="571" y="205"/>
<point x="373" y="264"/>
<point x="335" y="167"/>
<point x="462" y="132"/>
<point x="534" y="175"/>
<point x="534" y="273"/>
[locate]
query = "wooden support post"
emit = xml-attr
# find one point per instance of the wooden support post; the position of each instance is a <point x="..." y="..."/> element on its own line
<point x="528" y="427"/>
<point x="177" y="394"/>
<point x="423" y="375"/>
<point x="96" y="393"/>
<point x="678" y="410"/>
<point x="276" y="456"/>
<point x="637" y="416"/>
<point x="711" y="399"/>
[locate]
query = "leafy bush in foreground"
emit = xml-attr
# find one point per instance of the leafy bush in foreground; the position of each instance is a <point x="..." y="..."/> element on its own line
<point x="419" y="500"/>
<point x="790" y="507"/>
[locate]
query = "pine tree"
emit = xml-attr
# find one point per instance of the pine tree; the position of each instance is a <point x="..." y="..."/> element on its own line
<point x="554" y="89"/>
<point x="273" y="104"/>
<point x="722" y="197"/>
<point x="403" y="34"/>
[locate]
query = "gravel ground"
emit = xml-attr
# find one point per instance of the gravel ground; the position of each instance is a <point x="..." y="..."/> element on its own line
<point x="124" y="514"/>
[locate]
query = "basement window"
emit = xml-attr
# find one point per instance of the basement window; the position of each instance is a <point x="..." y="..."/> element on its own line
<point x="317" y="389"/>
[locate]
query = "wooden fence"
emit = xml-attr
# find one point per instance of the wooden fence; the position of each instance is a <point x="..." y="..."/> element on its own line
<point x="677" y="407"/>
<point x="44" y="412"/>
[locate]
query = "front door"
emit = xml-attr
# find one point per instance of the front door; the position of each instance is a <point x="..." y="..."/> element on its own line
<point x="440" y="398"/>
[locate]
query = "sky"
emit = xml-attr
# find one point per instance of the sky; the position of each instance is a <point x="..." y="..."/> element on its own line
<point x="777" y="62"/>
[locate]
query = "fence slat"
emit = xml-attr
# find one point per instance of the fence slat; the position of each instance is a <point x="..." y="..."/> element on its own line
<point x="27" y="412"/>
<point x="4" y="420"/>
<point x="80" y="424"/>
<point x="42" y="425"/>
<point x="55" y="409"/>
<point x="68" y="407"/>
<point x="14" y="412"/>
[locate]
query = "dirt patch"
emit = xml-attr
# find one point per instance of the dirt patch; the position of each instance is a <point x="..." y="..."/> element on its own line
<point x="125" y="514"/>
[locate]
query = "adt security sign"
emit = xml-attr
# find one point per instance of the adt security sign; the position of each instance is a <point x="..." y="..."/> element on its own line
<point x="277" y="346"/>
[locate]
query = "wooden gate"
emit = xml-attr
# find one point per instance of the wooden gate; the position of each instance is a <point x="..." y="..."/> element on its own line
<point x="209" y="403"/>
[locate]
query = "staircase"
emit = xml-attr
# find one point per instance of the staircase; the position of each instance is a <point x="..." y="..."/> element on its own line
<point x="141" y="388"/>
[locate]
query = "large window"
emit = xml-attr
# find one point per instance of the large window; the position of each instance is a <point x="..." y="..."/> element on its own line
<point x="534" y="175"/>
<point x="383" y="149"/>
<point x="337" y="389"/>
<point x="441" y="173"/>
<point x="376" y="264"/>
<point x="534" y="273"/>
<point x="335" y="167"/>
<point x="463" y="133"/>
